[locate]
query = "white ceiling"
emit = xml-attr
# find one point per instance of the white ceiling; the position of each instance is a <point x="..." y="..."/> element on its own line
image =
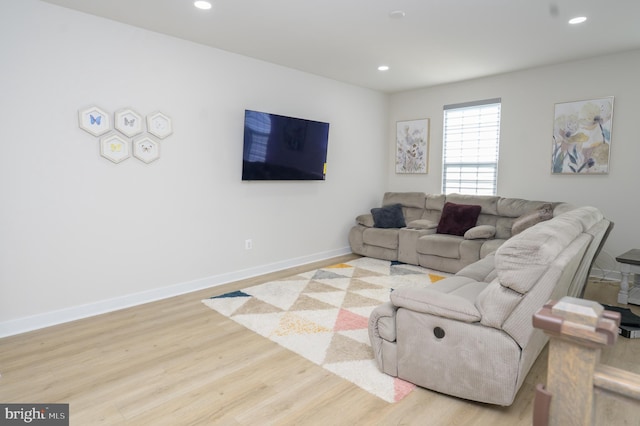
<point x="438" y="41"/>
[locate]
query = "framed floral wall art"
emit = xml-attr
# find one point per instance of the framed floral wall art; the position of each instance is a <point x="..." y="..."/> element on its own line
<point x="582" y="137"/>
<point x="412" y="146"/>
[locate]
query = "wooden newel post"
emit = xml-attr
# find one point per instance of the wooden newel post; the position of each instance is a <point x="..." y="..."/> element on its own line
<point x="578" y="329"/>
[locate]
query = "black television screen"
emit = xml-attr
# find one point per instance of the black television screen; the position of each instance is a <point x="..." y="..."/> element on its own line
<point x="283" y="148"/>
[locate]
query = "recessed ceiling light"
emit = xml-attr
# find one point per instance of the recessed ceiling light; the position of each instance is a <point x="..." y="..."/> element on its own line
<point x="577" y="20"/>
<point x="383" y="68"/>
<point x="397" y="14"/>
<point x="204" y="5"/>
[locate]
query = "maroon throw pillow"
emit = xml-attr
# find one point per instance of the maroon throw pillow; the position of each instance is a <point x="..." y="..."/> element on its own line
<point x="457" y="219"/>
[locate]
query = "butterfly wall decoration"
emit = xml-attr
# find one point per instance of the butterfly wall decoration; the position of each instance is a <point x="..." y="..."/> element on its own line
<point x="146" y="149"/>
<point x="130" y="124"/>
<point x="94" y="120"/>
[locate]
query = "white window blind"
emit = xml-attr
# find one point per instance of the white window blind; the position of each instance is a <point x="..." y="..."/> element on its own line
<point x="470" y="147"/>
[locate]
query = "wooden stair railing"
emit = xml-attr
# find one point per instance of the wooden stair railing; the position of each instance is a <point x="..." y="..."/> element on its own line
<point x="578" y="330"/>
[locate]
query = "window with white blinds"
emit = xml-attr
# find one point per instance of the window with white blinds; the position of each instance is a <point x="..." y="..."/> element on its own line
<point x="470" y="147"/>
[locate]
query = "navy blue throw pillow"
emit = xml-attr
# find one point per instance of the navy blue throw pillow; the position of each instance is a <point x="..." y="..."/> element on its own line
<point x="388" y="216"/>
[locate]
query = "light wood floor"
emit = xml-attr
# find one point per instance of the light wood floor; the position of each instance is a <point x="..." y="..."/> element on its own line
<point x="177" y="362"/>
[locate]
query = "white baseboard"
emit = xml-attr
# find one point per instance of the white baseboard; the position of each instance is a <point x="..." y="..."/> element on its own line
<point x="47" y="319"/>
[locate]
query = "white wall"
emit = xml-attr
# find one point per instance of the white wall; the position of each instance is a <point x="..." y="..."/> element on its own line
<point x="528" y="99"/>
<point x="80" y="235"/>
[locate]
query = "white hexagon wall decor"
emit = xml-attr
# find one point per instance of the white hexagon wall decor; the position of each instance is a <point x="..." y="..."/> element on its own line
<point x="94" y="120"/>
<point x="115" y="148"/>
<point x="159" y="125"/>
<point x="128" y="122"/>
<point x="146" y="149"/>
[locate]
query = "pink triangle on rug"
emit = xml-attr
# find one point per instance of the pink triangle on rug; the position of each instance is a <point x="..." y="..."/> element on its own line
<point x="349" y="321"/>
<point x="402" y="388"/>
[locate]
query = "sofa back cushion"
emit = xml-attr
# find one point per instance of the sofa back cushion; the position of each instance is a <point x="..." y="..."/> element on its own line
<point x="504" y="308"/>
<point x="407" y="199"/>
<point x="510" y="209"/>
<point x="598" y="227"/>
<point x="487" y="203"/>
<point x="531" y="218"/>
<point x="522" y="259"/>
<point x="412" y="203"/>
<point x="539" y="263"/>
<point x="457" y="219"/>
<point x="515" y="207"/>
<point x="553" y="284"/>
<point x="434" y="203"/>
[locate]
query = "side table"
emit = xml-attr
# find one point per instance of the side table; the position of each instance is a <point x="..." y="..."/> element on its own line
<point x="629" y="262"/>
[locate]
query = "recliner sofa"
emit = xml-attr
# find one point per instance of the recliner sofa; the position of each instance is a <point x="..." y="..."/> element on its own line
<point x="471" y="335"/>
<point x="419" y="243"/>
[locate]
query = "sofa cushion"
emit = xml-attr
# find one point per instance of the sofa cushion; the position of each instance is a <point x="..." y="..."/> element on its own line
<point x="461" y="286"/>
<point x="457" y="219"/>
<point x="480" y="232"/>
<point x="388" y="216"/>
<point x="490" y="246"/>
<point x="441" y="245"/>
<point x="531" y="218"/>
<point x="482" y="270"/>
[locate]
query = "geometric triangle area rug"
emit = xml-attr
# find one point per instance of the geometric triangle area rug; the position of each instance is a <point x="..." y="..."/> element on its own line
<point x="322" y="315"/>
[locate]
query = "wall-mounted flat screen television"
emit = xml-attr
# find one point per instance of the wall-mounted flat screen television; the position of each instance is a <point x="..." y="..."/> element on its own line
<point x="277" y="147"/>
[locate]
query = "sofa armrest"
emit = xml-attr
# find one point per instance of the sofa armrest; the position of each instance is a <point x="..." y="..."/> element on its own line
<point x="365" y="220"/>
<point x="382" y="322"/>
<point x="435" y="303"/>
<point x="480" y="232"/>
<point x="423" y="224"/>
<point x="382" y="334"/>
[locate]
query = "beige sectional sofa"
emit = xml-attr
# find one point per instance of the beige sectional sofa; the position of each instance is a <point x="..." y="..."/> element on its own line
<point x="471" y="335"/>
<point x="419" y="243"/>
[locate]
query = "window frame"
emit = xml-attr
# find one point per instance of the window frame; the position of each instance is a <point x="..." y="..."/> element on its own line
<point x="463" y="123"/>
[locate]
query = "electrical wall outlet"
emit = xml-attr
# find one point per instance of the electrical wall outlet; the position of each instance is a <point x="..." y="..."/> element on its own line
<point x="248" y="244"/>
